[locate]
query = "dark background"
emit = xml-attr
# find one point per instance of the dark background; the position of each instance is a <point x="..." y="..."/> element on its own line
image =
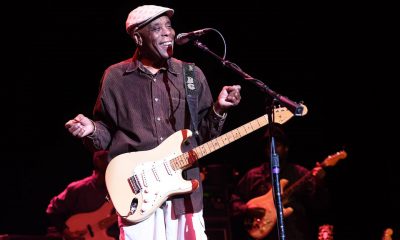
<point x="333" y="57"/>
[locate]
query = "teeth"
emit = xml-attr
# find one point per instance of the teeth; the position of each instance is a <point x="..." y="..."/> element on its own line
<point x="166" y="43"/>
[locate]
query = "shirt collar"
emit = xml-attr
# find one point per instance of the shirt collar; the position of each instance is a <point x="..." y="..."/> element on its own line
<point x="134" y="64"/>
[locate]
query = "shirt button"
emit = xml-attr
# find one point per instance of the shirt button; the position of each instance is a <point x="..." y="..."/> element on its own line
<point x="156" y="99"/>
<point x="161" y="138"/>
<point x="154" y="79"/>
<point x="158" y="118"/>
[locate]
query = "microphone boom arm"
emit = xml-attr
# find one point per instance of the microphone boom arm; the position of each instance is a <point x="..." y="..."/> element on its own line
<point x="296" y="108"/>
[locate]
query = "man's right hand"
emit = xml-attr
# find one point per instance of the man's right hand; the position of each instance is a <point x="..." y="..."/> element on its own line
<point x="80" y="126"/>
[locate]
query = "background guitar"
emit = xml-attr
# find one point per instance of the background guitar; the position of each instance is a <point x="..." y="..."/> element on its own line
<point x="261" y="227"/>
<point x="94" y="224"/>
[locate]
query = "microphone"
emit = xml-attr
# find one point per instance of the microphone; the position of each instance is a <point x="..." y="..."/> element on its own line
<point x="183" y="38"/>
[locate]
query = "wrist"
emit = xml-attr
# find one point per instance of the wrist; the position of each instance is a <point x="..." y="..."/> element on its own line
<point x="94" y="129"/>
<point x="219" y="112"/>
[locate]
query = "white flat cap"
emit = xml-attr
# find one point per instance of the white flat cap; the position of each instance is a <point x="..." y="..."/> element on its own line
<point x="142" y="15"/>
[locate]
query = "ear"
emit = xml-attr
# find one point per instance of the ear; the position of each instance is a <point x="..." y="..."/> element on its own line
<point x="138" y="39"/>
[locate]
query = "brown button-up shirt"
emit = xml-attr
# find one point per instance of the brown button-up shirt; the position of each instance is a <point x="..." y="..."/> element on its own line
<point x="136" y="111"/>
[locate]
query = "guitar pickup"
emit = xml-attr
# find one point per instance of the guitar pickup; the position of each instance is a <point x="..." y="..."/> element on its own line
<point x="168" y="168"/>
<point x="154" y="170"/>
<point x="144" y="178"/>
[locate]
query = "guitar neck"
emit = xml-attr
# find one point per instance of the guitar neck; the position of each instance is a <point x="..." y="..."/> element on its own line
<point x="188" y="158"/>
<point x="315" y="173"/>
<point x="287" y="193"/>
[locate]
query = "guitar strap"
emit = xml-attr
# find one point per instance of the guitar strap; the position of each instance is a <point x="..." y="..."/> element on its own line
<point x="191" y="88"/>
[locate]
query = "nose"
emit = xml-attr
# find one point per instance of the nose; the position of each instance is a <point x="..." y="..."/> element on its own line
<point x="167" y="31"/>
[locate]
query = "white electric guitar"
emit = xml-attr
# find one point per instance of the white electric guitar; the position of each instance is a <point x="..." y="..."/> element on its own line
<point x="140" y="182"/>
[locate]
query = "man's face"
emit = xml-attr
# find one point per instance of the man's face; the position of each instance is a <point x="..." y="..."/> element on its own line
<point x="158" y="39"/>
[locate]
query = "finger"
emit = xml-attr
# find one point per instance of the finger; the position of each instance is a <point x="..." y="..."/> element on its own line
<point x="76" y="128"/>
<point x="70" y="123"/>
<point x="287" y="211"/>
<point x="80" y="132"/>
<point x="230" y="99"/>
<point x="237" y="95"/>
<point x="79" y="117"/>
<point x="76" y="132"/>
<point x="238" y="87"/>
<point x="74" y="121"/>
<point x="233" y="99"/>
<point x="233" y="93"/>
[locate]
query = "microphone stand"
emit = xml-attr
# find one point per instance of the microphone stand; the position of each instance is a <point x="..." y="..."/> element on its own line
<point x="295" y="108"/>
<point x="275" y="178"/>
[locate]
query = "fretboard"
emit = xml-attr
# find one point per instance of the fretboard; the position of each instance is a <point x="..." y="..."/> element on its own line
<point x="188" y="158"/>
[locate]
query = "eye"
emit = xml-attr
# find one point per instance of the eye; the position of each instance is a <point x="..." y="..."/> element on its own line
<point x="155" y="29"/>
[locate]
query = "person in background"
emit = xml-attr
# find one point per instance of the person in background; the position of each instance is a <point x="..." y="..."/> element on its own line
<point x="141" y="102"/>
<point x="81" y="204"/>
<point x="307" y="200"/>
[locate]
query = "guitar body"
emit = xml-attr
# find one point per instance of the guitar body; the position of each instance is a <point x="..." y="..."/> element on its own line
<point x="140" y="182"/>
<point x="262" y="227"/>
<point x="92" y="223"/>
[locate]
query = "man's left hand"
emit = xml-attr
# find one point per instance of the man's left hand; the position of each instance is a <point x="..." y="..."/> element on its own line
<point x="228" y="97"/>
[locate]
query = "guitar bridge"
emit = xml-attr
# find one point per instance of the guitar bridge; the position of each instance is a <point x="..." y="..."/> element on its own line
<point x="135" y="184"/>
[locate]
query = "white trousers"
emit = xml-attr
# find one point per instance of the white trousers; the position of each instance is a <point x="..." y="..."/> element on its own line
<point x="164" y="225"/>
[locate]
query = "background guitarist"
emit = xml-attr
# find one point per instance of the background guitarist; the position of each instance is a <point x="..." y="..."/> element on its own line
<point x="311" y="198"/>
<point x="81" y="196"/>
